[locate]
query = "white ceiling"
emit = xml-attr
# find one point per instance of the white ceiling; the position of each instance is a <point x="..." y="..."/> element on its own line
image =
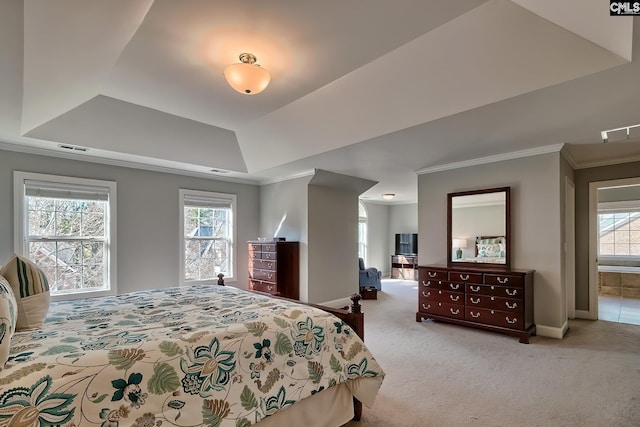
<point x="375" y="89"/>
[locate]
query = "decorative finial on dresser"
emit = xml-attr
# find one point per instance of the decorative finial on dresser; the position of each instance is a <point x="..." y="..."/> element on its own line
<point x="220" y="279"/>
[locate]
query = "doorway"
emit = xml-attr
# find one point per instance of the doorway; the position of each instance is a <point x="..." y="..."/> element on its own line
<point x="614" y="250"/>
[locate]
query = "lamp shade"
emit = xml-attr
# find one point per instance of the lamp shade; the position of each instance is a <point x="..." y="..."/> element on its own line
<point x="247" y="77"/>
<point x="459" y="243"/>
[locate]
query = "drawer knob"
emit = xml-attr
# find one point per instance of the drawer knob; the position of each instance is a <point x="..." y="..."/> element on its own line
<point x="474" y="315"/>
<point x="432" y="273"/>
<point x="515" y="319"/>
<point x="455" y="312"/>
<point x="503" y="281"/>
<point x="454" y="297"/>
<point x="514" y="305"/>
<point x="474" y="301"/>
<point x="515" y="291"/>
<point x="474" y="288"/>
<point x="454" y="286"/>
<point x="464" y="277"/>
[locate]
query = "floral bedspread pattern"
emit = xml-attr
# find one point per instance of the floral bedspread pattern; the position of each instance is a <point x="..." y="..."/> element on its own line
<point x="184" y="356"/>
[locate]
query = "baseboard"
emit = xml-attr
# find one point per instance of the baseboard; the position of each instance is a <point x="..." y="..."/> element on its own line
<point x="551" y="332"/>
<point x="584" y="314"/>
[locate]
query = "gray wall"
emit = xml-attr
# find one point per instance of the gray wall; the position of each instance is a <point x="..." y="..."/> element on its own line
<point x="403" y="218"/>
<point x="582" y="179"/>
<point x="284" y="213"/>
<point x="384" y="221"/>
<point x="333" y="243"/>
<point x="535" y="223"/>
<point x="378" y="236"/>
<point x="148" y="245"/>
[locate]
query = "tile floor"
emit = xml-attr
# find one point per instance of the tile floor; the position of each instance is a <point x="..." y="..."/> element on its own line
<point x="621" y="310"/>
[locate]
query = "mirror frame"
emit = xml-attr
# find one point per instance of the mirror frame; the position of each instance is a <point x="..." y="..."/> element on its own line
<point x="450" y="196"/>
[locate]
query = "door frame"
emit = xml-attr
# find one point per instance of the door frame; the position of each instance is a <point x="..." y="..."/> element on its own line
<point x="570" y="246"/>
<point x="593" y="236"/>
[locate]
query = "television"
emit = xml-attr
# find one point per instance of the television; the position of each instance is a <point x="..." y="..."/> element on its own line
<point x="406" y="244"/>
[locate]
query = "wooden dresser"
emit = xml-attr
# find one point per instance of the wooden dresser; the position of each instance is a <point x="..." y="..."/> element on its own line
<point x="495" y="299"/>
<point x="274" y="267"/>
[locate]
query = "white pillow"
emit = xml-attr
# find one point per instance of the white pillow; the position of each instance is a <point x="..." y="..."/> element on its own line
<point x="488" y="251"/>
<point x="31" y="290"/>
<point x="8" y="317"/>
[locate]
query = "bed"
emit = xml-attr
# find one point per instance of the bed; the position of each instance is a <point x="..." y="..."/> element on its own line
<point x="487" y="250"/>
<point x="187" y="356"/>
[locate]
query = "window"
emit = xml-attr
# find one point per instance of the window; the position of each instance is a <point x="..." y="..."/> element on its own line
<point x="619" y="233"/>
<point x="208" y="232"/>
<point x="67" y="227"/>
<point x="362" y="231"/>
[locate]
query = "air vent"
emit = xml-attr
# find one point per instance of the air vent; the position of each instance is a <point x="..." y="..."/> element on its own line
<point x="72" y="148"/>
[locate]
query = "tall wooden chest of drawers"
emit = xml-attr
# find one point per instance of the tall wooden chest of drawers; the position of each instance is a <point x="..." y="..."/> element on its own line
<point x="494" y="299"/>
<point x="274" y="267"/>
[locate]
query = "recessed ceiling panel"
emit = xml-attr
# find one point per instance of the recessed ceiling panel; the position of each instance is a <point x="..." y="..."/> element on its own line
<point x="110" y="124"/>
<point x="494" y="52"/>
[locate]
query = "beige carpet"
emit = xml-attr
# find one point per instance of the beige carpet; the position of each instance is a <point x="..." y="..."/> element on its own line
<point x="446" y="375"/>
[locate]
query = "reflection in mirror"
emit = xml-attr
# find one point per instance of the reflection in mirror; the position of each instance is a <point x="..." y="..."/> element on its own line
<point x="478" y="229"/>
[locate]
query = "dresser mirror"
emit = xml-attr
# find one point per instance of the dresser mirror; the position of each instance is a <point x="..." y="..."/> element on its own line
<point x="478" y="228"/>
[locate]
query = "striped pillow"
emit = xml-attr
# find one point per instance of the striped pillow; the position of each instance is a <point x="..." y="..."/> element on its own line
<point x="31" y="289"/>
<point x="8" y="315"/>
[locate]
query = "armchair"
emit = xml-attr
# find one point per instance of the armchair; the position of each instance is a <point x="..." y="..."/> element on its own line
<point x="370" y="277"/>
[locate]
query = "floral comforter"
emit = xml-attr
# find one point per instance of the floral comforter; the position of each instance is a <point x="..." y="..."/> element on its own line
<point x="183" y="356"/>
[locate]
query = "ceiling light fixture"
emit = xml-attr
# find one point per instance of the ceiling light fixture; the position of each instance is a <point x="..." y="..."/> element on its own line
<point x="388" y="196"/>
<point x="247" y="77"/>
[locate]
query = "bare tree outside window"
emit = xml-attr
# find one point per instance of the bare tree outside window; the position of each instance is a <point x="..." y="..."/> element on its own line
<point x="207" y="242"/>
<point x="67" y="239"/>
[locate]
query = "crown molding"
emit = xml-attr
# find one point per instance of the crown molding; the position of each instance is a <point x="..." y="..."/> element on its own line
<point x="569" y="158"/>
<point x="84" y="157"/>
<point x="492" y="159"/>
<point x="610" y="162"/>
<point x="302" y="174"/>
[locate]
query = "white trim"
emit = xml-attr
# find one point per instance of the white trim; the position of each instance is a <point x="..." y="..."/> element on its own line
<point x="595" y="164"/>
<point x="552" y="332"/>
<point x="570" y="246"/>
<point x="19" y="219"/>
<point x="492" y="159"/>
<point x="234" y="231"/>
<point x="302" y="174"/>
<point x="583" y="314"/>
<point x="84" y="157"/>
<point x="593" y="237"/>
<point x="569" y="157"/>
<point x="593" y="250"/>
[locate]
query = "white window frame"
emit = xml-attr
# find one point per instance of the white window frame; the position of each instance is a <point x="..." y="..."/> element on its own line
<point x="64" y="182"/>
<point x="214" y="196"/>
<point x="612" y="208"/>
<point x="363" y="225"/>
